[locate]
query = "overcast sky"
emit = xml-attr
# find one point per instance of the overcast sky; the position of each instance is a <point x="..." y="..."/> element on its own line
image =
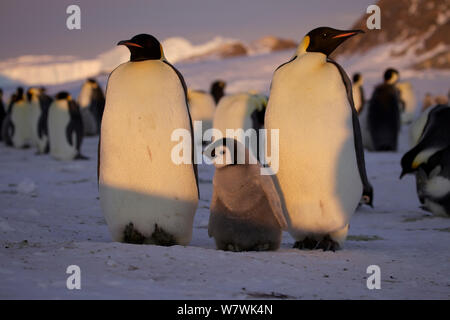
<point x="39" y="26"/>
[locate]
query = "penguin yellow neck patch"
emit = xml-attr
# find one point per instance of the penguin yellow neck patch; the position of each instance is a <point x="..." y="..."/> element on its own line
<point x="304" y="44"/>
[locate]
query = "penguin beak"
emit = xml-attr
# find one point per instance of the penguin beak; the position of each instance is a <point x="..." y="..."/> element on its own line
<point x="402" y="174"/>
<point x="347" y="34"/>
<point x="128" y="43"/>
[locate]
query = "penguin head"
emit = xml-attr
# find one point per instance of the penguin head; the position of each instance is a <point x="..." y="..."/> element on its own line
<point x="218" y="90"/>
<point x="357" y="78"/>
<point x="408" y="164"/>
<point x="33" y="94"/>
<point x="391" y="76"/>
<point x="226" y="152"/>
<point x="143" y="47"/>
<point x="325" y="39"/>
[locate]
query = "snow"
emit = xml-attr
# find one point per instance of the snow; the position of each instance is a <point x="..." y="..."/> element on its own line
<point x="50" y="218"/>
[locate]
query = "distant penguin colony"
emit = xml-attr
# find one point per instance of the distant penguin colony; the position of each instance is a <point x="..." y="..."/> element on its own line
<point x="145" y="197"/>
<point x="322" y="175"/>
<point x="324" y="123"/>
<point x="246" y="211"/>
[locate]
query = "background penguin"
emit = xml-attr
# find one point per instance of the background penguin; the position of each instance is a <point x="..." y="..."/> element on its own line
<point x="44" y="101"/>
<point x="7" y="125"/>
<point x="145" y="196"/>
<point x="430" y="160"/>
<point x="358" y="92"/>
<point x="408" y="98"/>
<point x="20" y="120"/>
<point x="65" y="128"/>
<point x="384" y="114"/>
<point x="322" y="174"/>
<point x="2" y="112"/>
<point x="86" y="101"/>
<point x="246" y="211"/>
<point x="241" y="111"/>
<point x="217" y="90"/>
<point x="202" y="108"/>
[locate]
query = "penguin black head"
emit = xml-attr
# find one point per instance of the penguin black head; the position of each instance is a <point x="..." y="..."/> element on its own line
<point x="218" y="90"/>
<point x="356" y="77"/>
<point x="143" y="47"/>
<point x="407" y="162"/>
<point x="325" y="39"/>
<point x="391" y="75"/>
<point x="63" y="95"/>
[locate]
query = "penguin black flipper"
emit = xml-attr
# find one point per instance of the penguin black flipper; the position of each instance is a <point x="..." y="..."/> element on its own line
<point x="75" y="126"/>
<point x="183" y="83"/>
<point x="367" y="187"/>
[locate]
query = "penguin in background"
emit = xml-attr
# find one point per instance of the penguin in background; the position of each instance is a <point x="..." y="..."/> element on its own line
<point x="38" y="103"/>
<point x="217" y="90"/>
<point x="429" y="159"/>
<point x="383" y="118"/>
<point x="408" y="99"/>
<point x="20" y="120"/>
<point x="88" y="102"/>
<point x="8" y="128"/>
<point x="43" y="137"/>
<point x="246" y="212"/>
<point x="65" y="128"/>
<point x="2" y="113"/>
<point x="201" y="108"/>
<point x="322" y="175"/>
<point x="241" y="111"/>
<point x="146" y="197"/>
<point x="358" y="92"/>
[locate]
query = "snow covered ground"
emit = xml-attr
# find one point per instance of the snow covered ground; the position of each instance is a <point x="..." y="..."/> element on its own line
<point x="50" y="218"/>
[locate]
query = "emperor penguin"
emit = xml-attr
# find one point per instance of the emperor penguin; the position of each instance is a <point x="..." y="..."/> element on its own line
<point x="246" y="211"/>
<point x="20" y="121"/>
<point x="8" y="129"/>
<point x="239" y="113"/>
<point x="383" y="118"/>
<point x="86" y="100"/>
<point x="147" y="196"/>
<point x="217" y="90"/>
<point x="322" y="175"/>
<point x="202" y="108"/>
<point x="358" y="92"/>
<point x="38" y="106"/>
<point x="429" y="159"/>
<point x="2" y="112"/>
<point x="65" y="128"/>
<point x="408" y="98"/>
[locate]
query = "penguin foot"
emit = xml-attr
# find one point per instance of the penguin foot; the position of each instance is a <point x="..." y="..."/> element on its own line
<point x="306" y="244"/>
<point x="159" y="236"/>
<point x="81" y="157"/>
<point x="327" y="244"/>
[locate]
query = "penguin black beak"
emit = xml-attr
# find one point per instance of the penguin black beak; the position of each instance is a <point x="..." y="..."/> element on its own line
<point x="128" y="43"/>
<point x="402" y="174"/>
<point x="347" y="34"/>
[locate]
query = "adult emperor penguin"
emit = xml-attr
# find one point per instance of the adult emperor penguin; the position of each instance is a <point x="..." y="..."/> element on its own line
<point x="430" y="160"/>
<point x="246" y="211"/>
<point x="146" y="197"/>
<point x="38" y="106"/>
<point x="20" y="121"/>
<point x="322" y="175"/>
<point x="87" y="102"/>
<point x="383" y="118"/>
<point x="202" y="108"/>
<point x="2" y="112"/>
<point x="241" y="111"/>
<point x="8" y="129"/>
<point x="65" y="128"/>
<point x="358" y="92"/>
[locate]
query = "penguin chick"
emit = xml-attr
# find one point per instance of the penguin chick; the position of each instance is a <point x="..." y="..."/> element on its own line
<point x="246" y="211"/>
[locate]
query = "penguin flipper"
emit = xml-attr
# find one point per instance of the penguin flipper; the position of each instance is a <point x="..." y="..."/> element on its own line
<point x="183" y="84"/>
<point x="367" y="187"/>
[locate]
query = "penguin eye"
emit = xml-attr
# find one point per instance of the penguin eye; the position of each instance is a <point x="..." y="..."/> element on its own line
<point x="324" y="35"/>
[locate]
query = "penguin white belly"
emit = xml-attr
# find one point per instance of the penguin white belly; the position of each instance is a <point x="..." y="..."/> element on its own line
<point x="318" y="172"/>
<point x="409" y="98"/>
<point x="202" y="108"/>
<point x="139" y="182"/>
<point x="58" y="120"/>
<point x="20" y="116"/>
<point x="233" y="112"/>
<point x="35" y="113"/>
